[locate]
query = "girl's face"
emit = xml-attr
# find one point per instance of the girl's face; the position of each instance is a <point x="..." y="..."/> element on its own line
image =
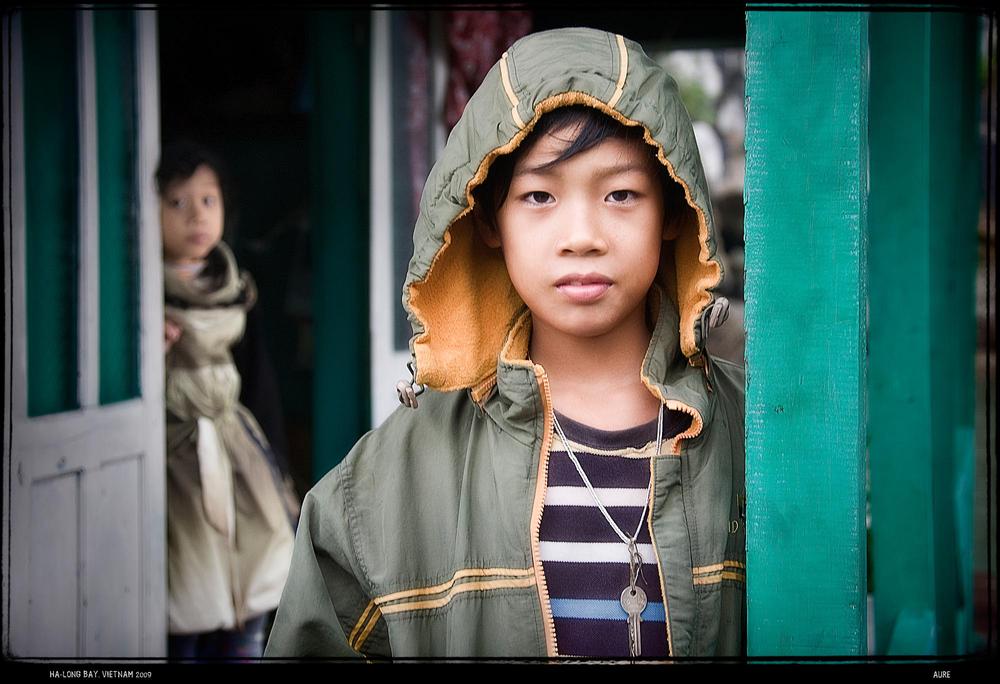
<point x="581" y="239"/>
<point x="191" y="217"/>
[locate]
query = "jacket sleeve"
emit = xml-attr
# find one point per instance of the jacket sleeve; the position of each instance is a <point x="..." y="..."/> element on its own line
<point x="324" y="609"/>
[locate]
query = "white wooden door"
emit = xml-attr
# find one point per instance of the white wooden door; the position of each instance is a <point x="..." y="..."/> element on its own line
<point x="84" y="538"/>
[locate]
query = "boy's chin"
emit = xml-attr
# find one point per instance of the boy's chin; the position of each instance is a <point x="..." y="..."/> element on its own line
<point x="588" y="330"/>
<point x="595" y="324"/>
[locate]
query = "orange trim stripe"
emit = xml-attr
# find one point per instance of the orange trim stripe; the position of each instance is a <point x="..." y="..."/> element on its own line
<point x="460" y="589"/>
<point x="361" y="621"/>
<point x="363" y="637"/>
<point x="707" y="568"/>
<point x="715" y="579"/>
<point x="444" y="586"/>
<point x="509" y="89"/>
<point x="622" y="70"/>
<point x="718" y="566"/>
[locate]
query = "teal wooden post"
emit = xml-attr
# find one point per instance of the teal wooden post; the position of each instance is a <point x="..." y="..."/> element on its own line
<point x="805" y="194"/>
<point x="923" y="213"/>
<point x="340" y="232"/>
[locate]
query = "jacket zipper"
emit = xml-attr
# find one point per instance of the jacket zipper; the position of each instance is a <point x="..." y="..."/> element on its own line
<point x="656" y="552"/>
<point x="541" y="484"/>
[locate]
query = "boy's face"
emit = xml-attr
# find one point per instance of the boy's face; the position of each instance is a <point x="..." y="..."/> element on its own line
<point x="581" y="239"/>
<point x="191" y="216"/>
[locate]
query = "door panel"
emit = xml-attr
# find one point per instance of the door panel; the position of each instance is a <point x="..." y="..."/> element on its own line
<point x="53" y="609"/>
<point x="114" y="495"/>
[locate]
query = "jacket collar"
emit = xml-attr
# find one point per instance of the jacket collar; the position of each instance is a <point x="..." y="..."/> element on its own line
<point x="517" y="403"/>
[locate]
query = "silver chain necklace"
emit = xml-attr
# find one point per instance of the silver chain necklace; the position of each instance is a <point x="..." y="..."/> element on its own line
<point x="633" y="599"/>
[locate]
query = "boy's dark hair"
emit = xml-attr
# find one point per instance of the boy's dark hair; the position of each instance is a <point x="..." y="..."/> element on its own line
<point x="593" y="127"/>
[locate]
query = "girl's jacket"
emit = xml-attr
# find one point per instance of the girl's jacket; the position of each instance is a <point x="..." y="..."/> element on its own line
<point x="229" y="535"/>
<point x="424" y="541"/>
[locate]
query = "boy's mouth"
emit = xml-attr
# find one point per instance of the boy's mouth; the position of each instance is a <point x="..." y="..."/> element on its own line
<point x="584" y="288"/>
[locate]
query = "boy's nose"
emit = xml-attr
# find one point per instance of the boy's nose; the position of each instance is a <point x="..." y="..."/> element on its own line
<point x="582" y="233"/>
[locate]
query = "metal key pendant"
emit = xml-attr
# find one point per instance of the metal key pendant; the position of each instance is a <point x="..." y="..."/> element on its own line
<point x="633" y="602"/>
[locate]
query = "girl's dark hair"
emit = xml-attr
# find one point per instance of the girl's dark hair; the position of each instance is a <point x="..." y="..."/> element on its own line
<point x="178" y="162"/>
<point x="181" y="158"/>
<point x="593" y="127"/>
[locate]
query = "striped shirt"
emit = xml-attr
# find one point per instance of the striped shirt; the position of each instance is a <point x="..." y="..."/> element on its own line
<point x="584" y="561"/>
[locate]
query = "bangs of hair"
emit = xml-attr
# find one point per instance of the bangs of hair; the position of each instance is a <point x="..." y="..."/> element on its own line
<point x="591" y="128"/>
<point x="588" y="126"/>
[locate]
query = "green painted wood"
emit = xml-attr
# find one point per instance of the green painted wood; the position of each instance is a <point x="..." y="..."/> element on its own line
<point x="340" y="232"/>
<point x="955" y="181"/>
<point x="51" y="210"/>
<point x="114" y="47"/>
<point x="805" y="227"/>
<point x="922" y="248"/>
<point x="899" y="335"/>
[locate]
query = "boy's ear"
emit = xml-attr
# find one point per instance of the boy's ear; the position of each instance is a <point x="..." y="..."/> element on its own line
<point x="671" y="228"/>
<point x="487" y="233"/>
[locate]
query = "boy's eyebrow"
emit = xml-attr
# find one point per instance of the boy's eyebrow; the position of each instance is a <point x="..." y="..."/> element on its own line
<point x="547" y="170"/>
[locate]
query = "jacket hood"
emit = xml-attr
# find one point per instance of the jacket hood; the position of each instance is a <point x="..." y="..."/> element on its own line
<point x="457" y="293"/>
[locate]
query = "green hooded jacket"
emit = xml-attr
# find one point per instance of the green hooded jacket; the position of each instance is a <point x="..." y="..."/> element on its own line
<point x="424" y="541"/>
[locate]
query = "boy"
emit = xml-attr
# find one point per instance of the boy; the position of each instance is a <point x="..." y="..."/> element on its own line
<point x="229" y="537"/>
<point x="572" y="482"/>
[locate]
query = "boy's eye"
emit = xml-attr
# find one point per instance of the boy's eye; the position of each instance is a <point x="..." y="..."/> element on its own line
<point x="538" y="197"/>
<point x="210" y="200"/>
<point x="176" y="203"/>
<point x="621" y="195"/>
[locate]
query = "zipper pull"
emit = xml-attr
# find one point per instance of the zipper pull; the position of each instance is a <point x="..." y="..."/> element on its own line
<point x="713" y="316"/>
<point x="409" y="391"/>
